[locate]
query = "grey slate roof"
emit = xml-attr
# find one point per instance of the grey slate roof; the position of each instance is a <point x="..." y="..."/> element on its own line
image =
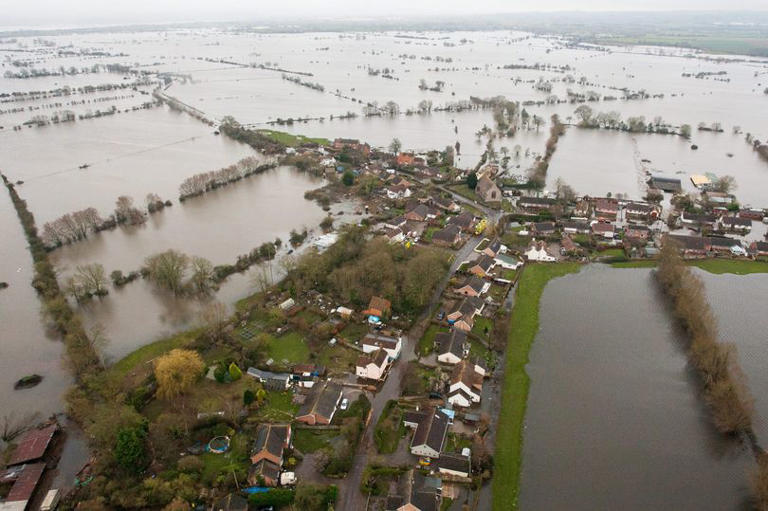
<point x="272" y="438"/>
<point x="431" y="431"/>
<point x="451" y="342"/>
<point x="321" y="400"/>
<point x="453" y="461"/>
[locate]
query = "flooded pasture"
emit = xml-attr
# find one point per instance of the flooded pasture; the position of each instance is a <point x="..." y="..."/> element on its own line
<point x="614" y="420"/>
<point x="614" y="417"/>
<point x="26" y="347"/>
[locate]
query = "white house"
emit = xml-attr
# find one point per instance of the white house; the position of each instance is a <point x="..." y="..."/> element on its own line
<point x="537" y="251"/>
<point x="373" y="366"/>
<point x="451" y="347"/>
<point x="390" y="345"/>
<point x="429" y="437"/>
<point x="454" y="465"/>
<point x="395" y="235"/>
<point x="466" y="385"/>
<point x="399" y="191"/>
<point x="508" y="262"/>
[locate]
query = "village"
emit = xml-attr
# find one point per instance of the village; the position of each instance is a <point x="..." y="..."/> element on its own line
<point x="370" y="377"/>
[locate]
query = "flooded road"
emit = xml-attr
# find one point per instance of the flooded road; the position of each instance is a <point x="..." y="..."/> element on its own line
<point x="613" y="419"/>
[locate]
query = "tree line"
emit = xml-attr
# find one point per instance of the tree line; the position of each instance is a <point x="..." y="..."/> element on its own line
<point x="538" y="174"/>
<point x="82" y="354"/>
<point x="716" y="363"/>
<point x="207" y="181"/>
<point x="76" y="226"/>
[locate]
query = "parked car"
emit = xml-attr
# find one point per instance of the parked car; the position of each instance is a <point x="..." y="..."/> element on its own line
<point x="435" y="395"/>
<point x="441" y="315"/>
<point x="344" y="404"/>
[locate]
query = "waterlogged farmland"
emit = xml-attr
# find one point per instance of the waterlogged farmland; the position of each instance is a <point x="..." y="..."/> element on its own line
<point x="614" y="409"/>
<point x="118" y="121"/>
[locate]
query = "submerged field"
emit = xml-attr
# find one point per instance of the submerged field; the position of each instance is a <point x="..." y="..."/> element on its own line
<point x="612" y="403"/>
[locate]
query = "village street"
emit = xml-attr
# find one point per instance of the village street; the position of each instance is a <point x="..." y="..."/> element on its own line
<point x="350" y="497"/>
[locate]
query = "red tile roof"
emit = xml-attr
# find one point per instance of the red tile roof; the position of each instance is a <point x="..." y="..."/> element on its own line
<point x="33" y="444"/>
<point x="26" y="483"/>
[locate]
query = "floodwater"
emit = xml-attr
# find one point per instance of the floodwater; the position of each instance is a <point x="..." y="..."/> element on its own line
<point x="25" y="345"/>
<point x="613" y="419"/>
<point x="150" y="151"/>
<point x="737" y="301"/>
<point x="219" y="226"/>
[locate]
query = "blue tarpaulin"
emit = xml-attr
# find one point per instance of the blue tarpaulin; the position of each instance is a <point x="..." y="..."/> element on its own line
<point x="255" y="489"/>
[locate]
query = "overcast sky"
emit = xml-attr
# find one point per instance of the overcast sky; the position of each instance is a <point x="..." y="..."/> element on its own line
<point x="38" y="13"/>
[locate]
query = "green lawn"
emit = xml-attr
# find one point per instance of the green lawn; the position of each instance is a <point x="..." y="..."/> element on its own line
<point x="277" y="407"/>
<point x="465" y="191"/>
<point x="354" y="331"/>
<point x="455" y="442"/>
<point x="524" y="325"/>
<point x="337" y="359"/>
<point x="290" y="347"/>
<point x="307" y="440"/>
<point x="482" y="245"/>
<point x="736" y="266"/>
<point x="236" y="459"/>
<point x="482" y="325"/>
<point x="427" y="342"/>
<point x="151" y="351"/>
<point x="477" y="349"/>
<point x="389" y="428"/>
<point x="429" y="232"/>
<point x="716" y="266"/>
<point x="292" y="140"/>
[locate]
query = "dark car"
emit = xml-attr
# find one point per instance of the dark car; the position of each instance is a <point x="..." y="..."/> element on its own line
<point x="435" y="395"/>
<point x="441" y="315"/>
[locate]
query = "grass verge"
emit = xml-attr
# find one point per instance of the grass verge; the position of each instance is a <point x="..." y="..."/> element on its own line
<point x="523" y="328"/>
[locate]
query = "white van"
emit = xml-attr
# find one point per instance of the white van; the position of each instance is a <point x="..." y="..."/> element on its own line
<point x="51" y="500"/>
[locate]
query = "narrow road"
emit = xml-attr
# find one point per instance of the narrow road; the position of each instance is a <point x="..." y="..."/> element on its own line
<point x="350" y="496"/>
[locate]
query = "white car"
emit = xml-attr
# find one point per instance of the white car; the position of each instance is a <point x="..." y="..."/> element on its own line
<point x="344" y="404"/>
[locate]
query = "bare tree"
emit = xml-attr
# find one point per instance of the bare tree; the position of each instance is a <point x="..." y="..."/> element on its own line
<point x="215" y="318"/>
<point x="167" y="270"/>
<point x="92" y="278"/>
<point x="202" y="275"/>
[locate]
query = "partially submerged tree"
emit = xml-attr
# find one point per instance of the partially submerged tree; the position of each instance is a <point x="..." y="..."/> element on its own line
<point x="167" y="270"/>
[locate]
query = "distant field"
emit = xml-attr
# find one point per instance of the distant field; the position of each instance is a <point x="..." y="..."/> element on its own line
<point x="729" y="45"/>
<point x="292" y="140"/>
<point x="716" y="266"/>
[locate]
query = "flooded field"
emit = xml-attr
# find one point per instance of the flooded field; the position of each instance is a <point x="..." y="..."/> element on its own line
<point x="737" y="303"/>
<point x="131" y="154"/>
<point x="613" y="418"/>
<point x="25" y="346"/>
<point x="253" y="211"/>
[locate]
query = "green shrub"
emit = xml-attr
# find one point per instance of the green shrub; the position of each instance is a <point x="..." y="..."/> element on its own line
<point x="234" y="372"/>
<point x="276" y="497"/>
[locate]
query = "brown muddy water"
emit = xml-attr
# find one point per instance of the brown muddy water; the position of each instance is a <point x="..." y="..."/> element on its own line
<point x="613" y="419"/>
<point x="25" y="345"/>
<point x="738" y="303"/>
<point x="218" y="226"/>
